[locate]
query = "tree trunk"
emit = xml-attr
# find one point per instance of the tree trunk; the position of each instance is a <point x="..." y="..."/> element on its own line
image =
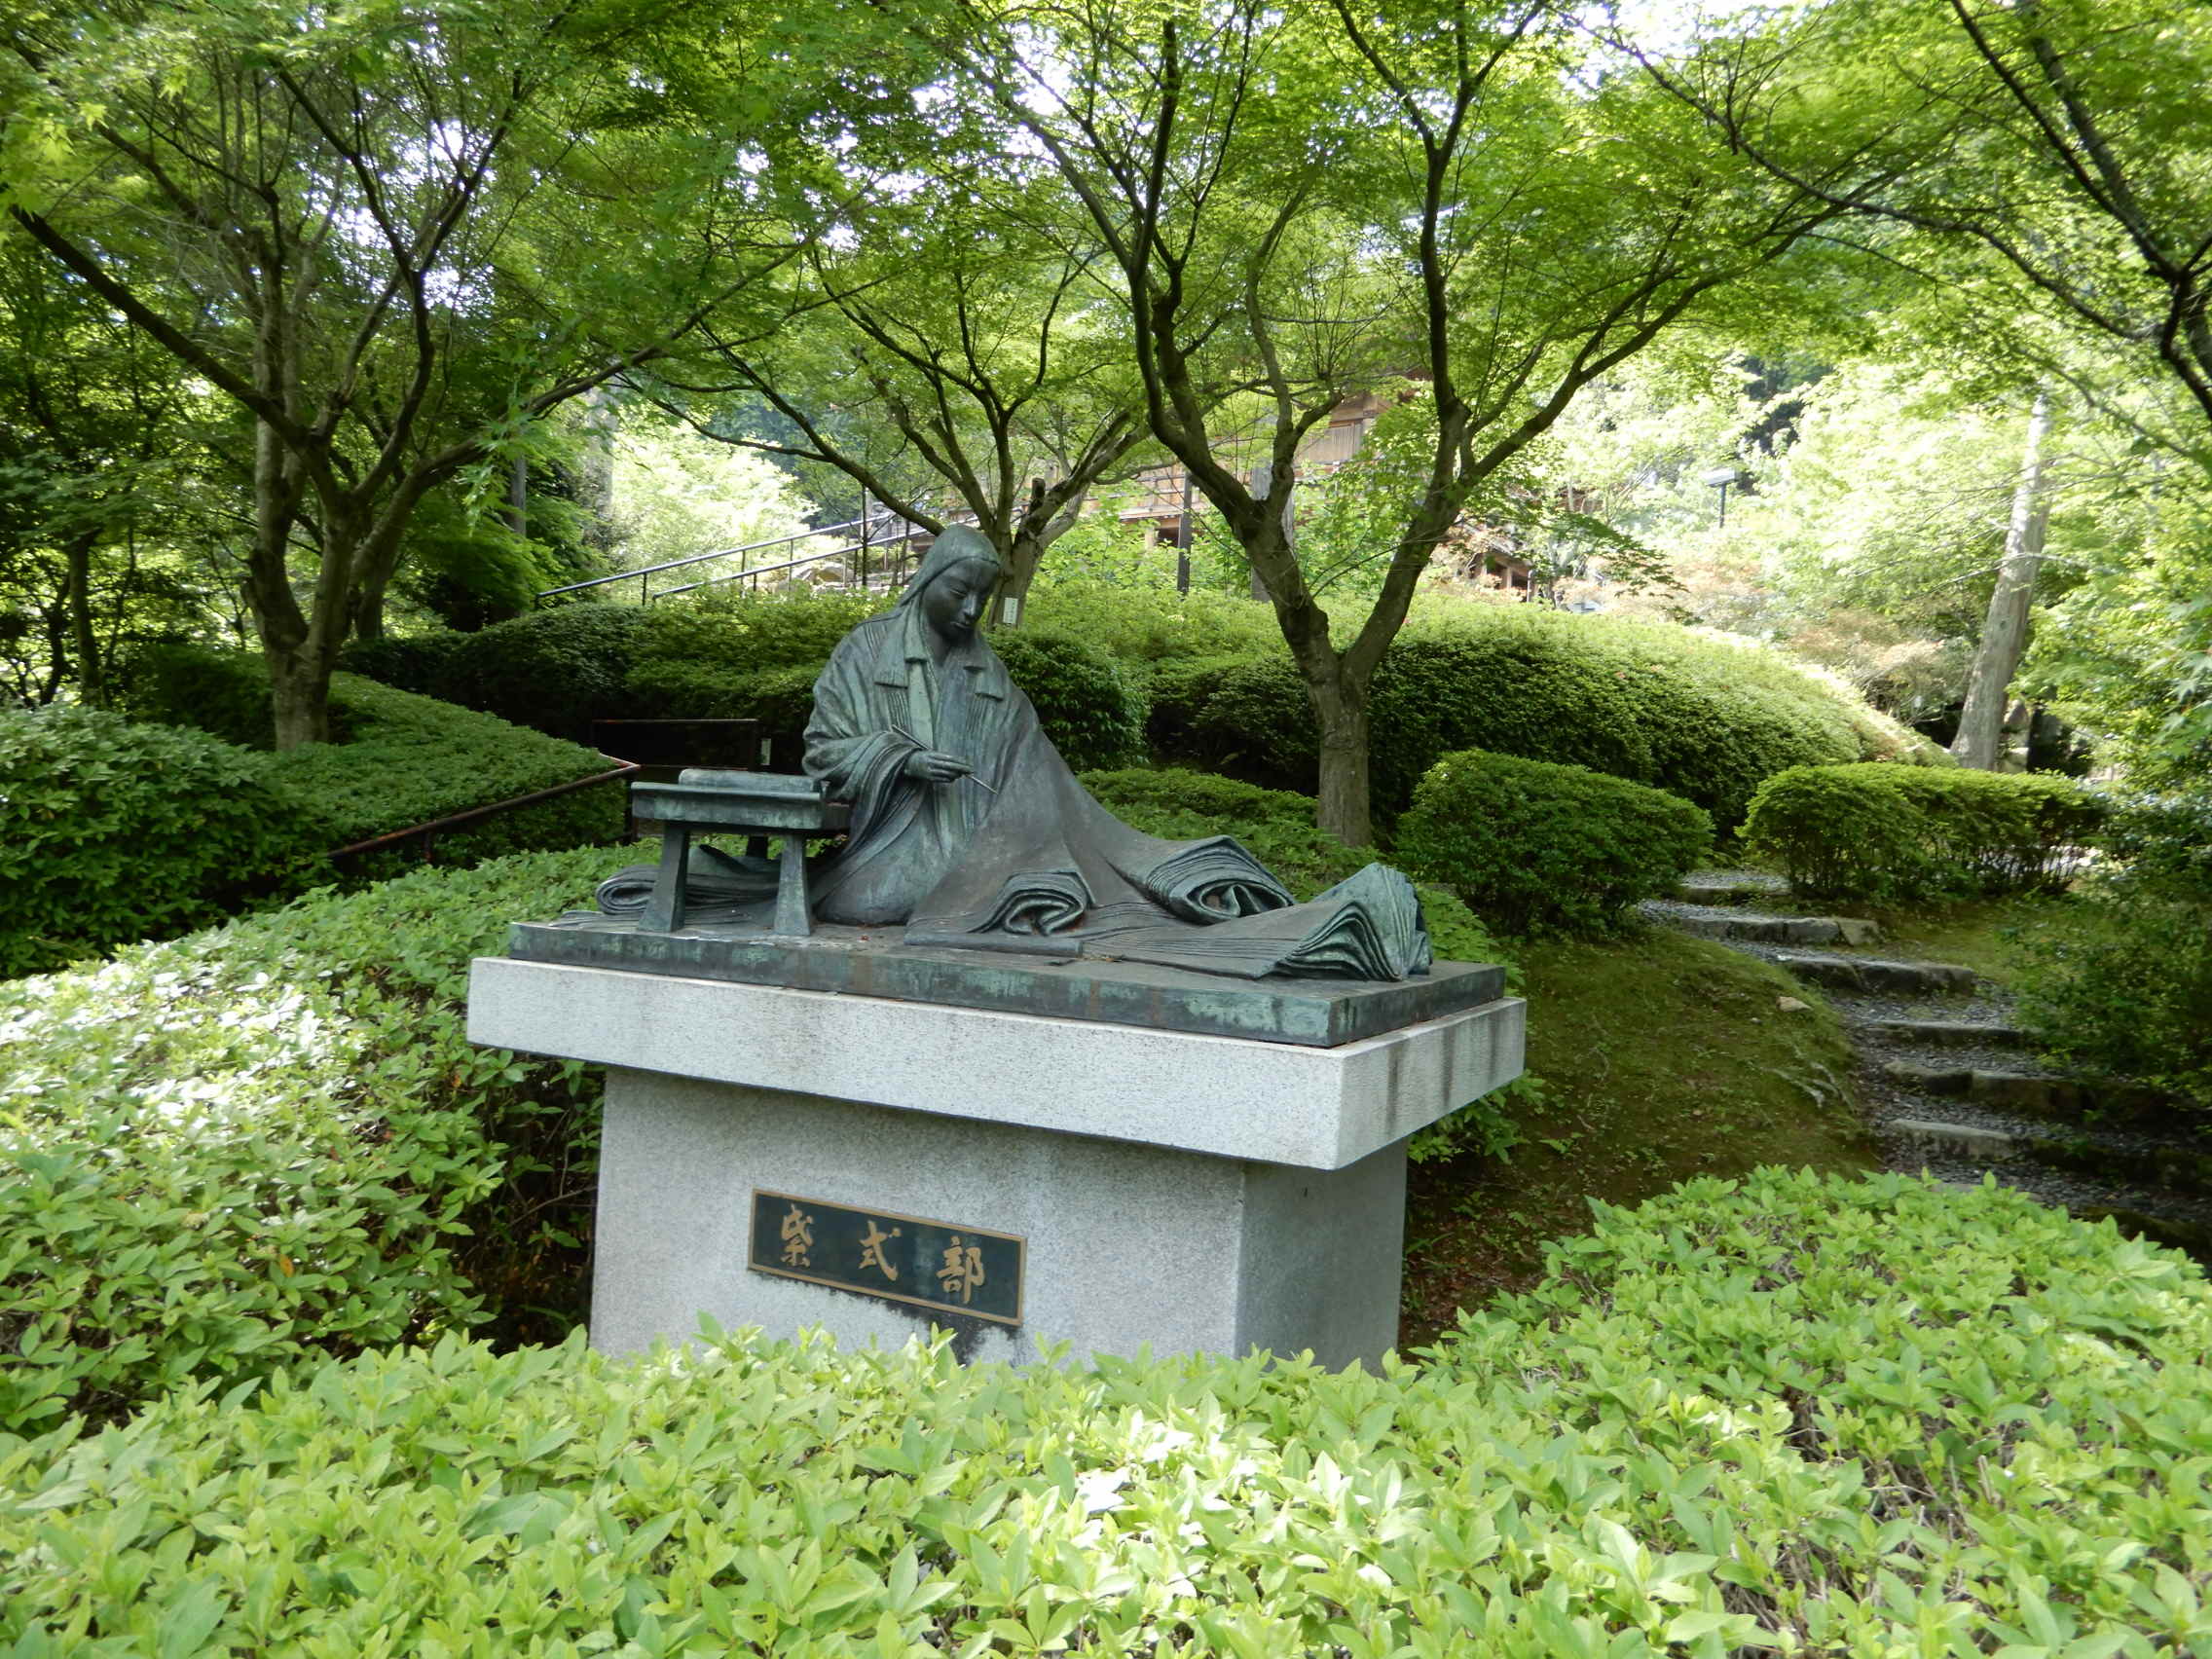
<point x="1009" y="610"/>
<point x="92" y="676"/>
<point x="299" y="695"/>
<point x="1979" y="741"/>
<point x="367" y="619"/>
<point x="595" y="484"/>
<point x="1341" y="708"/>
<point x="1263" y="482"/>
<point x="1036" y="528"/>
<point x="518" y="497"/>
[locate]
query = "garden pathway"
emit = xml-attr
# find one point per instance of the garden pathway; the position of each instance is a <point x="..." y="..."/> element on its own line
<point x="1948" y="1083"/>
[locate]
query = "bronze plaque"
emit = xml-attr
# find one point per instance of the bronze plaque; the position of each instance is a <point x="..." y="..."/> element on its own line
<point x="938" y="1264"/>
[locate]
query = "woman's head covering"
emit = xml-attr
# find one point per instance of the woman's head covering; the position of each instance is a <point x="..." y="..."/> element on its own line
<point x="957" y="546"/>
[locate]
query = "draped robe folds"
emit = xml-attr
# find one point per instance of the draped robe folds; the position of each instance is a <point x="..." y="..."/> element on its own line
<point x="1024" y="858"/>
<point x="1031" y="861"/>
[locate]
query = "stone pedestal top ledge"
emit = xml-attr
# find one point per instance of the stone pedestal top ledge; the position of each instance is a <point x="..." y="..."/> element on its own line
<point x="1226" y="1096"/>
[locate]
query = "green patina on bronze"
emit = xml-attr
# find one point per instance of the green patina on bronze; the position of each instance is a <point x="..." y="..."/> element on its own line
<point x="874" y="962"/>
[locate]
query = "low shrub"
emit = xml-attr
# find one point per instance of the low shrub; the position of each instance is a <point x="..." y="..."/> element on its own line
<point x="412" y="758"/>
<point x="1534" y="847"/>
<point x="553" y="671"/>
<point x="1087" y="706"/>
<point x="112" y="830"/>
<point x="1701" y="718"/>
<point x="1808" y="1416"/>
<point x="694" y="658"/>
<point x="429" y="665"/>
<point x="2164" y="843"/>
<point x="1886" y="833"/>
<point x="748" y="633"/>
<point x="1135" y="622"/>
<point x="227" y="1153"/>
<point x="224" y="693"/>
<point x="399" y="759"/>
<point x="2120" y="986"/>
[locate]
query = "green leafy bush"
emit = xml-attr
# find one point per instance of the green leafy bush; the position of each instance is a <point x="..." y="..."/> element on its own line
<point x="2164" y="843"/>
<point x="429" y="665"/>
<point x="1139" y="623"/>
<point x="553" y="671"/>
<point x="412" y="758"/>
<point x="111" y="829"/>
<point x="398" y="760"/>
<point x="1881" y="833"/>
<point x="2119" y="985"/>
<point x="226" y="1153"/>
<point x="1536" y="847"/>
<point x="224" y="693"/>
<point x="1796" y="1415"/>
<point x="1089" y="711"/>
<point x="1701" y="718"/>
<point x="748" y="633"/>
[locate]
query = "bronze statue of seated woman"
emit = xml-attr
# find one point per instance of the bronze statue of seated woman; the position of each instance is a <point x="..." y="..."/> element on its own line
<point x="967" y="827"/>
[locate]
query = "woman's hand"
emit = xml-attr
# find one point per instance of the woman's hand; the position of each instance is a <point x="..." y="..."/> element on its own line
<point x="934" y="766"/>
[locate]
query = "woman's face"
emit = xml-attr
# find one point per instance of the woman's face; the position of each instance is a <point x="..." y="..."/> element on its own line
<point x="952" y="603"/>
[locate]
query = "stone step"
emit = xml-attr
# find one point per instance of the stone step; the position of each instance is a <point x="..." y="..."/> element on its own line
<point x="2176" y="1168"/>
<point x="1872" y="973"/>
<point x="1727" y="890"/>
<point x="1945" y="1033"/>
<point x="2018" y="1092"/>
<point x="2031" y="1094"/>
<point x="1932" y="1135"/>
<point x="1781" y="929"/>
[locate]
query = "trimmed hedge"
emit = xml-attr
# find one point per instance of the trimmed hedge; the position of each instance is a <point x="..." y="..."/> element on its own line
<point x="222" y="1154"/>
<point x="2118" y="986"/>
<point x="1706" y="717"/>
<point x="1887" y="834"/>
<point x="1085" y="705"/>
<point x="403" y="759"/>
<point x="113" y="830"/>
<point x="557" y="671"/>
<point x="728" y="656"/>
<point x="553" y="671"/>
<point x="1794" y="1415"/>
<point x="1538" y="848"/>
<point x="414" y="759"/>
<point x="1140" y="624"/>
<point x="1699" y="717"/>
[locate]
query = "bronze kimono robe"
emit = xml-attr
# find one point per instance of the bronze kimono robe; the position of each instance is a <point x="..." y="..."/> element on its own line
<point x="1032" y="862"/>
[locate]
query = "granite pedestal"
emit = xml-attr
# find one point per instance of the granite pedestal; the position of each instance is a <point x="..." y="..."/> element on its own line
<point x="1182" y="1190"/>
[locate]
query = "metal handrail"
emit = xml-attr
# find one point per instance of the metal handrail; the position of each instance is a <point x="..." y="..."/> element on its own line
<point x="437" y="827"/>
<point x="644" y="575"/>
<point x="769" y="569"/>
<point x="886" y="519"/>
